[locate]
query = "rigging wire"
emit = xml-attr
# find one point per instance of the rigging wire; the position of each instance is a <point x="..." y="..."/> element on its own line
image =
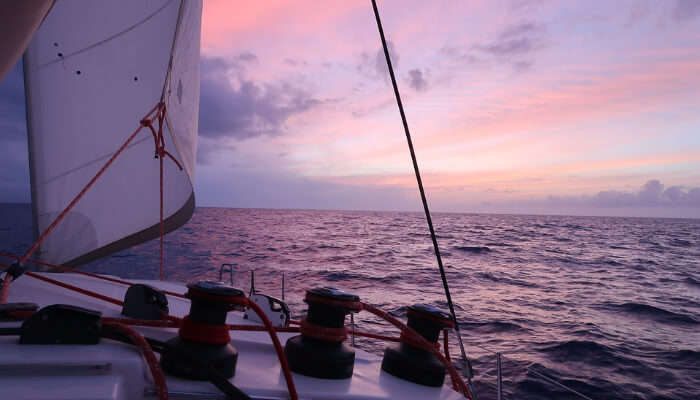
<point x="422" y="191"/>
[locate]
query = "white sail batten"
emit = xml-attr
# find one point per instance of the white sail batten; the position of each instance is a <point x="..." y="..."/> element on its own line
<point x="88" y="88"/>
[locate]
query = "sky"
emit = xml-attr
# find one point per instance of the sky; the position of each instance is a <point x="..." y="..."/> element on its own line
<point x="515" y="106"/>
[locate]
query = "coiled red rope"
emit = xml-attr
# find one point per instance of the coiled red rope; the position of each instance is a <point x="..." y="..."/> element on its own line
<point x="407" y="334"/>
<point x="138" y="339"/>
<point x="203" y="333"/>
<point x="322" y="332"/>
<point x="421" y="342"/>
<point x="278" y="347"/>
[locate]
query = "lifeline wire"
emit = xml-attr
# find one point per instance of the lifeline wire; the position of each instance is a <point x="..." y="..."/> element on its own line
<point x="420" y="188"/>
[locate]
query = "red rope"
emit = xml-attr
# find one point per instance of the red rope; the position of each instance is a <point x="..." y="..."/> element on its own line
<point x="68" y="269"/>
<point x="82" y="192"/>
<point x="408" y="338"/>
<point x="284" y="364"/>
<point x="161" y="153"/>
<point x="203" y="333"/>
<point x="322" y="332"/>
<point x="376" y="336"/>
<point x="76" y="289"/>
<point x="456" y="379"/>
<point x="447" y="355"/>
<point x="407" y="334"/>
<point x="4" y="290"/>
<point x="151" y="360"/>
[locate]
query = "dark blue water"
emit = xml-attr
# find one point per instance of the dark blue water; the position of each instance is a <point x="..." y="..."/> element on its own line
<point x="607" y="306"/>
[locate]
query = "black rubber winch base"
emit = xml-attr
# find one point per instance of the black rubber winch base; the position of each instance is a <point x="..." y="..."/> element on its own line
<point x="223" y="358"/>
<point x="320" y="359"/>
<point x="414" y="365"/>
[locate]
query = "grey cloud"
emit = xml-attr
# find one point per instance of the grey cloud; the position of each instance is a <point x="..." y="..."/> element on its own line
<point x="247" y="57"/>
<point x="246" y="109"/>
<point x="246" y="187"/>
<point x="417" y="80"/>
<point x="514" y="46"/>
<point x="638" y="11"/>
<point x="686" y="10"/>
<point x="516" y="40"/>
<point x="525" y="5"/>
<point x="520" y="30"/>
<point x="207" y="148"/>
<point x="376" y="67"/>
<point x="295" y="62"/>
<point x="380" y="60"/>
<point x="651" y="194"/>
<point x="460" y="55"/>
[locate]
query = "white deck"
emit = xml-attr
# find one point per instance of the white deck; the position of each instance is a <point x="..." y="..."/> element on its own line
<point x="112" y="370"/>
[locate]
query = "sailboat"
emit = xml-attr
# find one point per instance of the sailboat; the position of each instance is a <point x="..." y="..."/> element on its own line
<point x="112" y="93"/>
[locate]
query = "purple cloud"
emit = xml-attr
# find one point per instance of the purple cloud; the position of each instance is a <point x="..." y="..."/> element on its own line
<point x="651" y="194"/>
<point x="376" y="67"/>
<point x="416" y="80"/>
<point x="246" y="109"/>
<point x="514" y="46"/>
<point x="686" y="10"/>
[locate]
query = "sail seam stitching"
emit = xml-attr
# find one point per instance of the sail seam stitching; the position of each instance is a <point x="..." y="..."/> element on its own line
<point x="109" y="38"/>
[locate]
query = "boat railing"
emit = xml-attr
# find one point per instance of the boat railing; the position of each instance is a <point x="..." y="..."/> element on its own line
<point x="499" y="375"/>
<point x="223" y="269"/>
<point x="231" y="269"/>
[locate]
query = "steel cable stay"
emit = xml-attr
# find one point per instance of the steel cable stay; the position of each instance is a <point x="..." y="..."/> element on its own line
<point x="432" y="230"/>
<point x="424" y="200"/>
<point x="500" y="355"/>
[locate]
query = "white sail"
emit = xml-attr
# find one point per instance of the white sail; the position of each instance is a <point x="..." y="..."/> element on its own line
<point x="93" y="71"/>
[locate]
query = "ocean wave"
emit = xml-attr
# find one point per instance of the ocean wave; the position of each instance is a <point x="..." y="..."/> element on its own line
<point x="654" y="313"/>
<point x="472" y="249"/>
<point x="684" y="357"/>
<point x="506" y="280"/>
<point x="691" y="281"/>
<point x="500" y="244"/>
<point x="335" y="276"/>
<point x="587" y="351"/>
<point x="680" y="243"/>
<point x="492" y="327"/>
<point x="534" y="387"/>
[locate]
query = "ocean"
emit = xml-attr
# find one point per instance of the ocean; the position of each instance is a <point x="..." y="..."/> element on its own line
<point x="607" y="306"/>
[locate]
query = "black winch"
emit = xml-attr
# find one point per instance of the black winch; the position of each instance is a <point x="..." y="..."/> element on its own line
<point x="145" y="302"/>
<point x="413" y="363"/>
<point x="204" y="333"/>
<point x="320" y="350"/>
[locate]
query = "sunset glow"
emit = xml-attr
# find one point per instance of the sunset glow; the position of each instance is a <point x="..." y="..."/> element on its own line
<point x="511" y="103"/>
